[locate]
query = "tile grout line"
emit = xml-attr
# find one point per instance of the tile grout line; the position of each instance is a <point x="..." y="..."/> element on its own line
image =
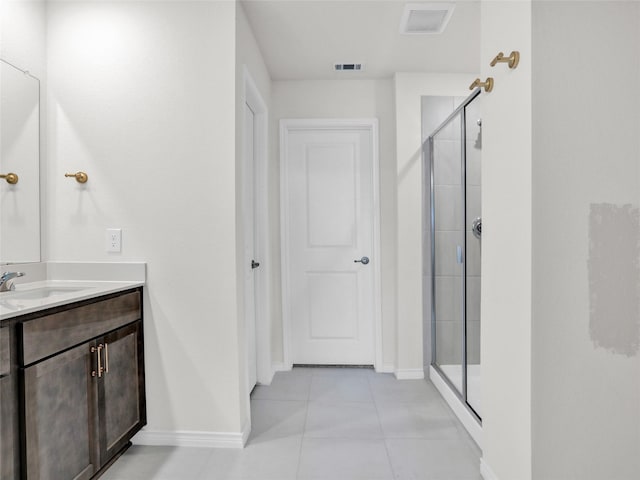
<point x="384" y="436"/>
<point x="282" y="400"/>
<point x="202" y="471"/>
<point x="304" y="426"/>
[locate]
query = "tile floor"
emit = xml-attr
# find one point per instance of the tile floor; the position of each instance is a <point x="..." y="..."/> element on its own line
<point x="327" y="424"/>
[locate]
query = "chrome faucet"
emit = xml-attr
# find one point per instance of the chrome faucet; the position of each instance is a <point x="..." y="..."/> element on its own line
<point x="6" y="280"/>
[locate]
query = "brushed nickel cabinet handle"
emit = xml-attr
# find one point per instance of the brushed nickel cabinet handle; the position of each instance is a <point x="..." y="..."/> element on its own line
<point x="100" y="367"/>
<point x="95" y="372"/>
<point x="106" y="357"/>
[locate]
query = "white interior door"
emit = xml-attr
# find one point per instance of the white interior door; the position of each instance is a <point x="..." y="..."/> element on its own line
<point x="329" y="191"/>
<point x="250" y="244"/>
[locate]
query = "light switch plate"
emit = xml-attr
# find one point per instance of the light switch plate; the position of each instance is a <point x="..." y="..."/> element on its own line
<point x="114" y="240"/>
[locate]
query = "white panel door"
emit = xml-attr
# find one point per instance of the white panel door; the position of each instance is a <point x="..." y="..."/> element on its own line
<point x="330" y="226"/>
<point x="250" y="245"/>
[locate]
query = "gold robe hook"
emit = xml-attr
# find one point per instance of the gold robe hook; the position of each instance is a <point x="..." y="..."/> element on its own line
<point x="487" y="84"/>
<point x="11" y="178"/>
<point x="512" y="60"/>
<point x="80" y="177"/>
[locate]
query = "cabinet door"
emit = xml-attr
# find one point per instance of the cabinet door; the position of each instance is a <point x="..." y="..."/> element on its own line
<point x="8" y="408"/>
<point x="60" y="417"/>
<point x="8" y="431"/>
<point x="121" y="390"/>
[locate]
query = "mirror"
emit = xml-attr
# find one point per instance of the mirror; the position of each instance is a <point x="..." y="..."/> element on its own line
<point x="19" y="165"/>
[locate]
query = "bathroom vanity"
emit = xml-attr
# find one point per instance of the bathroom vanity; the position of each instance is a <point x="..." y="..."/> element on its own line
<point x="71" y="378"/>
<point x="72" y="388"/>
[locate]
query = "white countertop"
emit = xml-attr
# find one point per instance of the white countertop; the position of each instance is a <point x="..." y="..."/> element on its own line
<point x="34" y="296"/>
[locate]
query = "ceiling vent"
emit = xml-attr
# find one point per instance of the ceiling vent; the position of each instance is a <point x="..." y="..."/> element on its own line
<point x="347" y="67"/>
<point x="425" y="18"/>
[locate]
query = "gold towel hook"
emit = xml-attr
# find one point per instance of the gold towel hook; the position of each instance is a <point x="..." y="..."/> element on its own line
<point x="512" y="60"/>
<point x="80" y="177"/>
<point x="11" y="178"/>
<point x="487" y="84"/>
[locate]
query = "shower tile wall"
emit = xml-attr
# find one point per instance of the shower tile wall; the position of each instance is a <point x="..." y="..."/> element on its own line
<point x="434" y="111"/>
<point x="448" y="234"/>
<point x="449" y="208"/>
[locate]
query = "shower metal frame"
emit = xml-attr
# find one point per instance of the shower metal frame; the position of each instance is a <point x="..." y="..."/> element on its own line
<point x="427" y="156"/>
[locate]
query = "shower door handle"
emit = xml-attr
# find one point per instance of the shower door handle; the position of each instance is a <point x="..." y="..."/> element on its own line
<point x="476" y="227"/>
<point x="459" y="256"/>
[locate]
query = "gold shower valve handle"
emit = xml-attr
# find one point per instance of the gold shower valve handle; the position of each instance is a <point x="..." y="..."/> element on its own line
<point x="11" y="178"/>
<point x="512" y="60"/>
<point x="80" y="177"/>
<point x="487" y="84"/>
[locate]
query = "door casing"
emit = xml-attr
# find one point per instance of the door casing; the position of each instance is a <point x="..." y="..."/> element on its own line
<point x="286" y="127"/>
<point x="254" y="100"/>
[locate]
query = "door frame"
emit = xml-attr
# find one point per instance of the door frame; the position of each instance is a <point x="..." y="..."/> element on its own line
<point x="252" y="97"/>
<point x="288" y="126"/>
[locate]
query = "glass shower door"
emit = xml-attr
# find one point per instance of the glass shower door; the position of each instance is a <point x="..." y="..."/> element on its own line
<point x="447" y="200"/>
<point x="473" y="226"/>
<point x="455" y="228"/>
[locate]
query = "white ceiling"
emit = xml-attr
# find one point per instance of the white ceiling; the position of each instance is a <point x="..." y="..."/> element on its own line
<point x="302" y="39"/>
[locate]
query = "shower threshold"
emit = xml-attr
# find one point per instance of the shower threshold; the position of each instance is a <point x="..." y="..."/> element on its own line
<point x="462" y="411"/>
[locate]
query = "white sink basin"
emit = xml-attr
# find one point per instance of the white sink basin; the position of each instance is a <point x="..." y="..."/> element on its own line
<point x="43" y="294"/>
<point x="39" y="293"/>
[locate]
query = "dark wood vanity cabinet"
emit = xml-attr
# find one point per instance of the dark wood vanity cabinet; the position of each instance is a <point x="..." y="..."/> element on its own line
<point x="8" y="430"/>
<point x="81" y="387"/>
<point x="8" y="407"/>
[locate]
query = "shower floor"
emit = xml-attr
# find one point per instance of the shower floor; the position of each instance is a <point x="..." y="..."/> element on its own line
<point x="474" y="392"/>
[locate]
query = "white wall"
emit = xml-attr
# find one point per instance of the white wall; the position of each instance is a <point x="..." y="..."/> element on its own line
<point x="142" y="97"/>
<point x="340" y="99"/>
<point x="560" y="298"/>
<point x="506" y="243"/>
<point x="586" y="259"/>
<point x="409" y="88"/>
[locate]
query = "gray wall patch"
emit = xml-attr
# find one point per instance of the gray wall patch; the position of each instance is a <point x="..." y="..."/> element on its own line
<point x="614" y="278"/>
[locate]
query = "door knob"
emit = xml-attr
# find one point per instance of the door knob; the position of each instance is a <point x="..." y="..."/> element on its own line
<point x="254" y="264"/>
<point x="363" y="260"/>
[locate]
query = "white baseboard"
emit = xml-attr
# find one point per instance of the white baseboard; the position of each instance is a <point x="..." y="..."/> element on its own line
<point x="386" y="369"/>
<point x="267" y="381"/>
<point x="470" y="423"/>
<point x="486" y="472"/>
<point x="246" y="431"/>
<point x="279" y="367"/>
<point x="192" y="438"/>
<point x="409" y="374"/>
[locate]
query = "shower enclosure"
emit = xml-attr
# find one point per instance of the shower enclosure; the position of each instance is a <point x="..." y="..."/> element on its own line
<point x="453" y="232"/>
